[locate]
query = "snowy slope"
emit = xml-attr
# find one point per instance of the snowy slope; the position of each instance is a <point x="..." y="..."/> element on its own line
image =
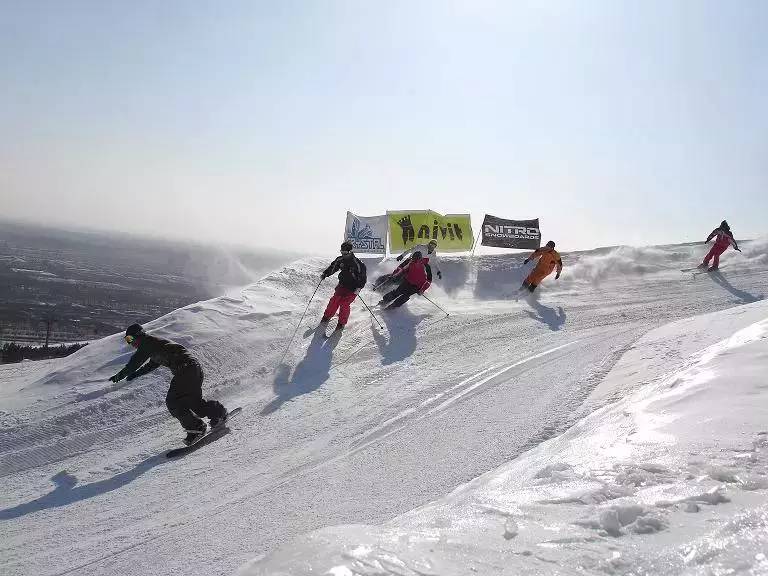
<point x="670" y="479"/>
<point x="360" y="432"/>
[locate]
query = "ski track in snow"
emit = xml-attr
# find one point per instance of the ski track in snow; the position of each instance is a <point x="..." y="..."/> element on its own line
<point x="372" y="426"/>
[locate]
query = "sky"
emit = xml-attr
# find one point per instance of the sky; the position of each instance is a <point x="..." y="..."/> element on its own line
<point x="262" y="123"/>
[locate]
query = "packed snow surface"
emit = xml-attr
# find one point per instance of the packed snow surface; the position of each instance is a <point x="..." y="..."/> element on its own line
<point x="615" y="423"/>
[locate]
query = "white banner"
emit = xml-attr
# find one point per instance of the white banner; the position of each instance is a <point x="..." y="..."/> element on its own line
<point x="368" y="234"/>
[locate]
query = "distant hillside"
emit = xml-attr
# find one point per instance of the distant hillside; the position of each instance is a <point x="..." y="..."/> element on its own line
<point x="82" y="285"/>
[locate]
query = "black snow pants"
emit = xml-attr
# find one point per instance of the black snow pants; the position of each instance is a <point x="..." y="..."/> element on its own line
<point x="400" y="295"/>
<point x="185" y="398"/>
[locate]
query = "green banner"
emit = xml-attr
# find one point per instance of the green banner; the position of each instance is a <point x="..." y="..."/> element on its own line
<point x="408" y="228"/>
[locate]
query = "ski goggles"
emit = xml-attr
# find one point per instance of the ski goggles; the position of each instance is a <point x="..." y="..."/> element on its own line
<point x="130" y="339"/>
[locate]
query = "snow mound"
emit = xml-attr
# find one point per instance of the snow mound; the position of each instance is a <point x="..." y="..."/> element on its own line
<point x="637" y="486"/>
<point x="627" y="261"/>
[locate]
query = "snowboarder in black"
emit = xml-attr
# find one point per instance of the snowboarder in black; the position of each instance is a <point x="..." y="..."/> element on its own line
<point x="185" y="395"/>
<point x="352" y="278"/>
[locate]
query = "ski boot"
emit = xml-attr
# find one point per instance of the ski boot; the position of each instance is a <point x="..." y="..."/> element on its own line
<point x="220" y="421"/>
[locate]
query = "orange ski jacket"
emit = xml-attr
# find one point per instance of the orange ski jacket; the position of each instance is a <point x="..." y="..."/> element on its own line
<point x="549" y="259"/>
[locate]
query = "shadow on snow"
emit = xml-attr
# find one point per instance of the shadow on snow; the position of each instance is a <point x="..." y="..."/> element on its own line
<point x="67" y="491"/>
<point x="721" y="280"/>
<point x="554" y="318"/>
<point x="400" y="342"/>
<point x="309" y="374"/>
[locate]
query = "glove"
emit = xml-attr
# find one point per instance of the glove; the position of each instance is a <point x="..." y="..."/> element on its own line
<point x="116" y="378"/>
<point x="526" y="261"/>
<point x="738" y="249"/>
<point x="323" y="276"/>
<point x="439" y="275"/>
<point x="557" y="275"/>
<point x="399" y="258"/>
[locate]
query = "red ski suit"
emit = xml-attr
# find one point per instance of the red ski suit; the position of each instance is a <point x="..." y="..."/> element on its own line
<point x="416" y="274"/>
<point x="723" y="239"/>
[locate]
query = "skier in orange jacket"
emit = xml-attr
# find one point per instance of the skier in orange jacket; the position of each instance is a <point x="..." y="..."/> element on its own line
<point x="549" y="259"/>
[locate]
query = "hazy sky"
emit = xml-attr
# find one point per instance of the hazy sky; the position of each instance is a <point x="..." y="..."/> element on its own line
<point x="253" y="122"/>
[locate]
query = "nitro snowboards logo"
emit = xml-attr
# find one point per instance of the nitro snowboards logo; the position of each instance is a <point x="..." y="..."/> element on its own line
<point x="503" y="233"/>
<point x="453" y="232"/>
<point x="367" y="234"/>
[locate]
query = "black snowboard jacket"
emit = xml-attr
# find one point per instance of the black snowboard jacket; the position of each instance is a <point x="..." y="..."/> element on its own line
<point x="159" y="352"/>
<point x="353" y="273"/>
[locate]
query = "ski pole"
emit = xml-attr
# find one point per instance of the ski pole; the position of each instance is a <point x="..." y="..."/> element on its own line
<point x="300" y="321"/>
<point x="435" y="305"/>
<point x="370" y="311"/>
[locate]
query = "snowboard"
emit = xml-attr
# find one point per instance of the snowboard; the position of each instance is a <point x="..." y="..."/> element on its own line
<point x="206" y="438"/>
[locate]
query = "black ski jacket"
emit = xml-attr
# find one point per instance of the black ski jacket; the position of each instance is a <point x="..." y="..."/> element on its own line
<point x="159" y="352"/>
<point x="353" y="274"/>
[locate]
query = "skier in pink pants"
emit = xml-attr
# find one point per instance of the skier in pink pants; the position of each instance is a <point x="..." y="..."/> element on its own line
<point x="723" y="238"/>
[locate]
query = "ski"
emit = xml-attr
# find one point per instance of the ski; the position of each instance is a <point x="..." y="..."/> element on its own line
<point x="383" y="282"/>
<point x="706" y="271"/>
<point x="331" y="332"/>
<point x="381" y="305"/>
<point x="211" y="435"/>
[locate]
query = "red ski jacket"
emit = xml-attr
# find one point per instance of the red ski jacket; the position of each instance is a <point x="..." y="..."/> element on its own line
<point x="417" y="273"/>
<point x="723" y="239"/>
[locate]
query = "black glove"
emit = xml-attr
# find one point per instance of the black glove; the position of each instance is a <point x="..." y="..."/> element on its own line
<point x="526" y="261"/>
<point x="116" y="378"/>
<point x="557" y="275"/>
<point x="738" y="249"/>
<point x="399" y="258"/>
<point x="323" y="276"/>
<point x="439" y="275"/>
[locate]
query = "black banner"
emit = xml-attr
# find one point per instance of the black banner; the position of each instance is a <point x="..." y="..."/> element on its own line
<point x="503" y="233"/>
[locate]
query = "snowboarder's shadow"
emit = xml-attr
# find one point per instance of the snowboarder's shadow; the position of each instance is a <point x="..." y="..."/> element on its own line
<point x="721" y="280"/>
<point x="400" y="341"/>
<point x="555" y="319"/>
<point x="67" y="491"/>
<point x="309" y="374"/>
